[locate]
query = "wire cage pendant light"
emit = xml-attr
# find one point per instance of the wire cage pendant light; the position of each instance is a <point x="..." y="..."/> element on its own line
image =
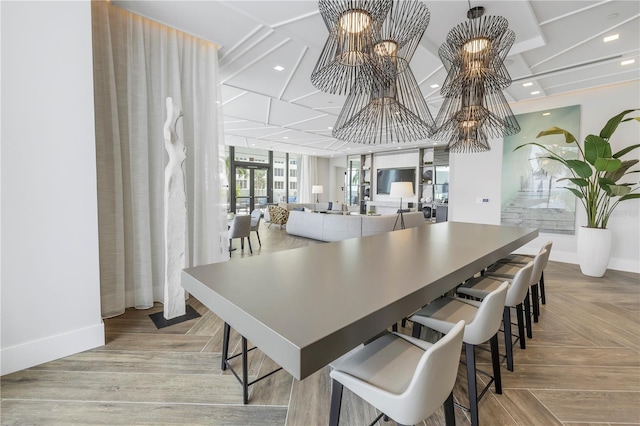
<point x="470" y="138"/>
<point x="474" y="107"/>
<point x="348" y="52"/>
<point x="390" y="109"/>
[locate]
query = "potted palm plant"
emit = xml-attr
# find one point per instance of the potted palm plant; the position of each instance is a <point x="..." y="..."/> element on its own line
<point x="600" y="183"/>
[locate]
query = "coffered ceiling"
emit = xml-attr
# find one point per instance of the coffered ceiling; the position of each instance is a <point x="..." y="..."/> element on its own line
<point x="559" y="48"/>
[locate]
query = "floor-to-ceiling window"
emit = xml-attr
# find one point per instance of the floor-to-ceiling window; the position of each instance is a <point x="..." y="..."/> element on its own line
<point x="279" y="177"/>
<point x="352" y="180"/>
<point x="293" y="178"/>
<point x="249" y="179"/>
<point x="257" y="178"/>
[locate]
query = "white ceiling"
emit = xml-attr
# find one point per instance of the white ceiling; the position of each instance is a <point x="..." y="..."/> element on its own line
<point x="559" y="48"/>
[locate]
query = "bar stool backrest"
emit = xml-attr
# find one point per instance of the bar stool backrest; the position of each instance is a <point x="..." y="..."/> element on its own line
<point x="488" y="318"/>
<point x="519" y="285"/>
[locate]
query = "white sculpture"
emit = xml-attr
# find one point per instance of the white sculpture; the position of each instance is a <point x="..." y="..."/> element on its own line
<point x="175" y="215"/>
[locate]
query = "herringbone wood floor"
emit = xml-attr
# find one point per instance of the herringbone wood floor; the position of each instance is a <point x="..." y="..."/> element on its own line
<point x="581" y="367"/>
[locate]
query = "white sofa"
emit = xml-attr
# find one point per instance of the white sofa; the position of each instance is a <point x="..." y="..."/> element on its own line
<point x="336" y="208"/>
<point x="327" y="227"/>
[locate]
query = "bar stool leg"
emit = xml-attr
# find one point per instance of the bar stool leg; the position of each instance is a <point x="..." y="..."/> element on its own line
<point x="527" y="315"/>
<point x="495" y="360"/>
<point x="535" y="302"/>
<point x="336" y="403"/>
<point x="542" y="294"/>
<point x="471" y="379"/>
<point x="520" y="316"/>
<point x="449" y="415"/>
<point x="508" y="343"/>
<point x="416" y="330"/>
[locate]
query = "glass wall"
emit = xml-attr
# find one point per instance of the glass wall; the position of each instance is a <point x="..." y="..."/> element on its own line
<point x="352" y="181"/>
<point x="294" y="161"/>
<point x="259" y="178"/>
<point x="441" y="187"/>
<point x="260" y="193"/>
<point x="279" y="177"/>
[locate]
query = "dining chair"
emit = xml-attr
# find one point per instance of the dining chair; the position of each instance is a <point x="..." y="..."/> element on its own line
<point x="405" y="378"/>
<point x="480" y="287"/>
<point x="240" y="228"/>
<point x="482" y="322"/>
<point x="256" y="215"/>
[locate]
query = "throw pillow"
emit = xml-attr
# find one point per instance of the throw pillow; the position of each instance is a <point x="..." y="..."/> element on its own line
<point x="337" y="207"/>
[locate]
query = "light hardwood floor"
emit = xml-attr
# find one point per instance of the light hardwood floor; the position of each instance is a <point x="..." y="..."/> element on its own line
<point x="581" y="367"/>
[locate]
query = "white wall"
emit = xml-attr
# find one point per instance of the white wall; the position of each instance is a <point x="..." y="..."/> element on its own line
<point x="480" y="175"/>
<point x="50" y="276"/>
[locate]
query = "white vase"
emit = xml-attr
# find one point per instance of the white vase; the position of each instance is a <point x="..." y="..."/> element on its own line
<point x="594" y="250"/>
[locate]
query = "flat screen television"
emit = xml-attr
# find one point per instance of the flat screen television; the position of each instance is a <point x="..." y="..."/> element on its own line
<point x="386" y="176"/>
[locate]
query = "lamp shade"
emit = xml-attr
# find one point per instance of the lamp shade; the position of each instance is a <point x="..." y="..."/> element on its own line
<point x="317" y="189"/>
<point x="401" y="190"/>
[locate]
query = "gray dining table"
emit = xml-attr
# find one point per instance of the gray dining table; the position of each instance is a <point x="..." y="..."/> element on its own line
<point x="306" y="307"/>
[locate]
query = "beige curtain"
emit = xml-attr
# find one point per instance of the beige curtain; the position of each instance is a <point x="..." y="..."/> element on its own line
<point x="137" y="64"/>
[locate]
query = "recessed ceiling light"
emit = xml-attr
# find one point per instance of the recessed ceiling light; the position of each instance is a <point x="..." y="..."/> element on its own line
<point x="253" y="144"/>
<point x="434" y="86"/>
<point x="611" y="37"/>
<point x="370" y="151"/>
<point x="435" y="143"/>
<point x="399" y="147"/>
<point x="278" y="68"/>
<point x="217" y="102"/>
<point x="546" y="113"/>
<point x="330" y="128"/>
<point x="537" y="92"/>
<point x="627" y="62"/>
<point x="527" y="84"/>
<point x="285" y="137"/>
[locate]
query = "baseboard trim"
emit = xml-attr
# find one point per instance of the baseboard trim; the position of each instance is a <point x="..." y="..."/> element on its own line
<point x="617" y="264"/>
<point x="37" y="352"/>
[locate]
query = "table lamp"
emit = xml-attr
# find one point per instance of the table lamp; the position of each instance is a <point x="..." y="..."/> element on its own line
<point x="401" y="190"/>
<point x="317" y="189"/>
